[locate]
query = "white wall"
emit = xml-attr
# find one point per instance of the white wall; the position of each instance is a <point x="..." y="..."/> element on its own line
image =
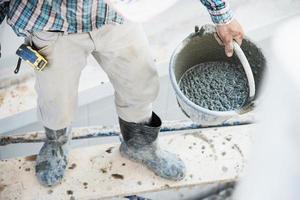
<point x="9" y="44"/>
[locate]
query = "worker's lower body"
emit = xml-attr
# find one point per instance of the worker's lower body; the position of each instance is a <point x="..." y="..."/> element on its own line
<point x="123" y="53"/>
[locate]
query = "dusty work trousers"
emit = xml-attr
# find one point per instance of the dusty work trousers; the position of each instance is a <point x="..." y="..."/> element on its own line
<point x="123" y="53"/>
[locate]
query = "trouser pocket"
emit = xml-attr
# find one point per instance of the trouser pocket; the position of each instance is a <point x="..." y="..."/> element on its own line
<point x="41" y="41"/>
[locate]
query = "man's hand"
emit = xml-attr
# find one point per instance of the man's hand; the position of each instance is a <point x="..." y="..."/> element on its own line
<point x="229" y="32"/>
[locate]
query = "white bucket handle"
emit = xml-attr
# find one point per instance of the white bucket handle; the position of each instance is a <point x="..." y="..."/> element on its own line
<point x="240" y="54"/>
<point x="244" y="61"/>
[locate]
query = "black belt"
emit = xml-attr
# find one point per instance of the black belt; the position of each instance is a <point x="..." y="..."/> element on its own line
<point x="56" y="31"/>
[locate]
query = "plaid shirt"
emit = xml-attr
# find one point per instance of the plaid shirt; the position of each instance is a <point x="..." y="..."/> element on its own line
<point x="76" y="16"/>
<point x="219" y="11"/>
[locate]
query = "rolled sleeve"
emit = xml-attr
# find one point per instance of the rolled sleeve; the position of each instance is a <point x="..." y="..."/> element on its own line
<point x="219" y="11"/>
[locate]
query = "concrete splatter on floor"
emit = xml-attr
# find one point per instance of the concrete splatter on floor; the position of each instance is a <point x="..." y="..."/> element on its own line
<point x="220" y="86"/>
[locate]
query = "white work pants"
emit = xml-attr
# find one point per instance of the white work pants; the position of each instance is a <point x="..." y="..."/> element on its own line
<point x="123" y="53"/>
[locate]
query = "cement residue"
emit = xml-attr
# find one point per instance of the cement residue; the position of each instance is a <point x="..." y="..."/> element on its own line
<point x="52" y="159"/>
<point x="163" y="163"/>
<point x="220" y="86"/>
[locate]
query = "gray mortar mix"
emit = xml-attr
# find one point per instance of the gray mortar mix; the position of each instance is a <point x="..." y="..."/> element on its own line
<point x="219" y="85"/>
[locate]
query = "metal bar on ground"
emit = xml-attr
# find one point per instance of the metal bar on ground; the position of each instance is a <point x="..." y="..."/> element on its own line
<point x="103" y="131"/>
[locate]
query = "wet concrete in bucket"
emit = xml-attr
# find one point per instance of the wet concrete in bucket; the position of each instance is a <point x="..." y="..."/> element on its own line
<point x="218" y="86"/>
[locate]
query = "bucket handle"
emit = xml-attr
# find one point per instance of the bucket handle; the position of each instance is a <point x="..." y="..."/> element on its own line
<point x="244" y="61"/>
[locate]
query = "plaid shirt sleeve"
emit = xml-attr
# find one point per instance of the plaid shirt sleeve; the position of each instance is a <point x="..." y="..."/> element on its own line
<point x="219" y="11"/>
<point x="4" y="6"/>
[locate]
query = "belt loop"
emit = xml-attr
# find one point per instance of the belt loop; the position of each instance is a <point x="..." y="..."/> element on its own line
<point x="92" y="39"/>
<point x="29" y="38"/>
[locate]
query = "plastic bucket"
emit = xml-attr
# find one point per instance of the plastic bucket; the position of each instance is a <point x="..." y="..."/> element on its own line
<point x="200" y="47"/>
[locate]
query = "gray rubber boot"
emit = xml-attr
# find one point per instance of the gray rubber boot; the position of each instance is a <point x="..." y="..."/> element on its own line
<point x="52" y="159"/>
<point x="140" y="145"/>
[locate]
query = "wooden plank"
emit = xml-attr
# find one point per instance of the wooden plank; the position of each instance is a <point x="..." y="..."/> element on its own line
<point x="17" y="98"/>
<point x="211" y="155"/>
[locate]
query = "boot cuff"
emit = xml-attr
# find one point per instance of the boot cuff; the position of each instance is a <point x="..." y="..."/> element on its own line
<point x="145" y="133"/>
